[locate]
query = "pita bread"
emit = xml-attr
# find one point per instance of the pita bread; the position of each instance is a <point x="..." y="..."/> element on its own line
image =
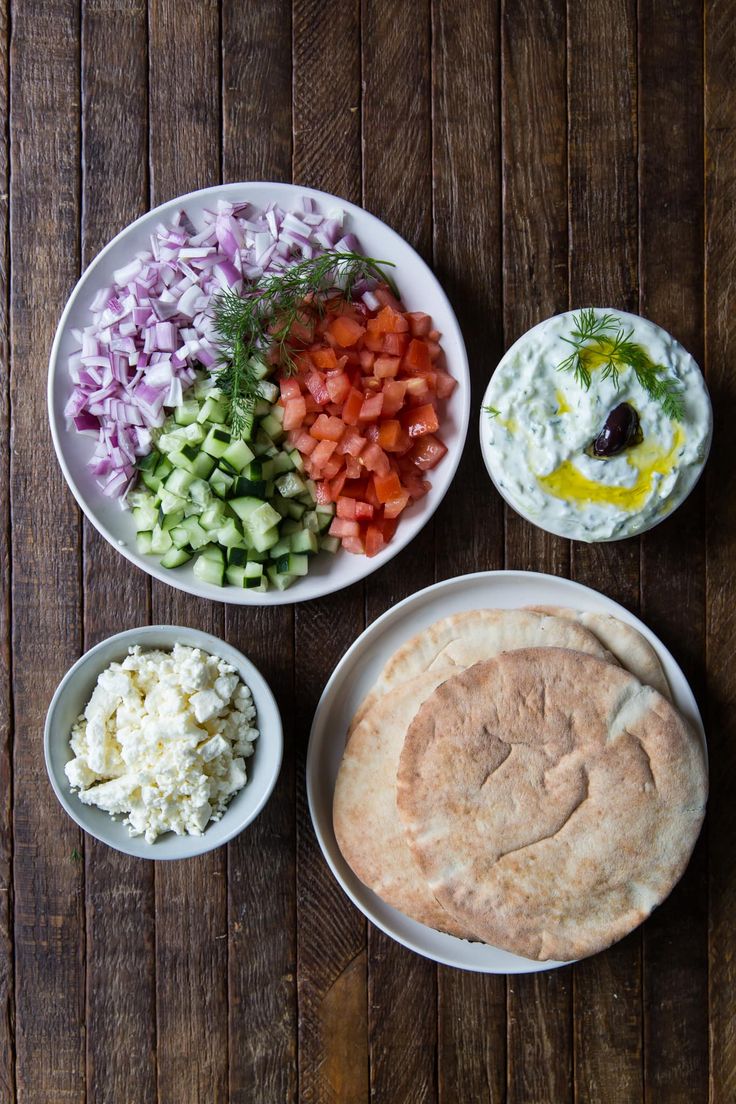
<point x="464" y="638"/>
<point x="623" y="641"/>
<point x="551" y="799"/>
<point x="367" y="827"/>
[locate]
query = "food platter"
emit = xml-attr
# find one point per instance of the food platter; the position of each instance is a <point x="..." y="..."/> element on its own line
<point x="355" y="675"/>
<point x="419" y="289"/>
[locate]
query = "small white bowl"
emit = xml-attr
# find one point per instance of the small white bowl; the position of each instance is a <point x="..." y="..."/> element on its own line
<point x="420" y="290"/>
<point x="75" y="690"/>
<point x="570" y="530"/>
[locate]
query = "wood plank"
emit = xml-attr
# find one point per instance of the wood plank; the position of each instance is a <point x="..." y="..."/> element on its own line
<point x="720" y="357"/>
<point x="331" y="939"/>
<point x="673" y="555"/>
<point x="262" y="895"/>
<point x="119" y="890"/>
<point x="467" y="259"/>
<point x="603" y="272"/>
<point x="46" y="594"/>
<point x="535" y="286"/>
<point x="7" y="997"/>
<point x="191" y="939"/>
<point x="397" y="161"/>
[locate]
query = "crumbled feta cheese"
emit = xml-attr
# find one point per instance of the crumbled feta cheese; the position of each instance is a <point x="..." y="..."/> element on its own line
<point x="163" y="741"/>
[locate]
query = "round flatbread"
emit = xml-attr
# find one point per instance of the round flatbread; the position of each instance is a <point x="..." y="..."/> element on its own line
<point x="465" y="638"/>
<point x="368" y="830"/>
<point x="551" y="799"/>
<point x="625" y="643"/>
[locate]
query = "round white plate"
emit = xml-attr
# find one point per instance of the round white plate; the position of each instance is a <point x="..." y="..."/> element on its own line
<point x="355" y="675"/>
<point x="420" y="290"/>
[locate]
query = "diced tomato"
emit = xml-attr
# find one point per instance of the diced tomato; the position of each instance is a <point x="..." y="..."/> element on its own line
<point x="389" y="320"/>
<point x="371" y="408"/>
<point x="363" y="510"/>
<point x="417" y="358"/>
<point x="434" y="335"/>
<point x="337" y="484"/>
<point x="387" y="298"/>
<point x="322" y="453"/>
<point x="417" y="385"/>
<point x="352" y="443"/>
<point x="305" y="443"/>
<point x="338" y="387"/>
<point x="343" y="527"/>
<point x="366" y="360"/>
<point x="295" y="411"/>
<point x="421" y="420"/>
<point x="393" y="508"/>
<point x="324" y="359"/>
<point x="322" y="495"/>
<point x="330" y="471"/>
<point x="435" y="350"/>
<point x="327" y="428"/>
<point x="374" y="540"/>
<point x="386" y="366"/>
<point x="394" y="392"/>
<point x="346" y="331"/>
<point x="373" y="342"/>
<point x="419" y="324"/>
<point x="395" y="344"/>
<point x="392" y="438"/>
<point x="445" y="384"/>
<point x="289" y="388"/>
<point x="355" y="488"/>
<point x="352" y="408"/>
<point x="353" y="467"/>
<point x="317" y="389"/>
<point x="387" y="486"/>
<point x="356" y="545"/>
<point x="375" y="459"/>
<point x="427" y="451"/>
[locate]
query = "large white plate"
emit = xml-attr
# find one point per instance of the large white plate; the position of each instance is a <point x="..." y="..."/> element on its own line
<point x="356" y="673"/>
<point x="420" y="290"/>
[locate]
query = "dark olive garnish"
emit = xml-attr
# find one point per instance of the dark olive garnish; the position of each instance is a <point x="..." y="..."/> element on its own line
<point x="621" y="429"/>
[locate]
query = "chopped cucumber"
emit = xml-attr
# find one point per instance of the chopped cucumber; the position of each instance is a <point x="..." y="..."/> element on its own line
<point x="208" y="570"/>
<point x="175" y="557"/>
<point x="186" y="412"/>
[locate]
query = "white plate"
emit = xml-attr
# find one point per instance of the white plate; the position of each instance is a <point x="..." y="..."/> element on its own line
<point x="420" y="290"/>
<point x="356" y="673"/>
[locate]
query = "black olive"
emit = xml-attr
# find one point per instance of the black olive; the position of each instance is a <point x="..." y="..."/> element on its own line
<point x="620" y="430"/>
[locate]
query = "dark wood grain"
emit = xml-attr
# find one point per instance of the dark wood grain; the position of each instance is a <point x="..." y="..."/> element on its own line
<point x="673" y="601"/>
<point x="535" y="286"/>
<point x="7" y="998"/>
<point x="603" y="272"/>
<point x="119" y="890"/>
<point x="397" y="162"/>
<point x="262" y="892"/>
<point x="469" y="526"/>
<point x="46" y="591"/>
<point x="720" y="357"/>
<point x="191" y="897"/>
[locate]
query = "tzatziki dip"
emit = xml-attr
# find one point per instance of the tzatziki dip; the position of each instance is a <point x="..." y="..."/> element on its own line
<point x="596" y="425"/>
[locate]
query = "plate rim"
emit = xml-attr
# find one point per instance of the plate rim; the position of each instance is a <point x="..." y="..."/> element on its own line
<point x="372" y="633"/>
<point x="232" y="595"/>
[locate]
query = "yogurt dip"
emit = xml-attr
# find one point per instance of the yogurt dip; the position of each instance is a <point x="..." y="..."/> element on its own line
<point x="539" y="422"/>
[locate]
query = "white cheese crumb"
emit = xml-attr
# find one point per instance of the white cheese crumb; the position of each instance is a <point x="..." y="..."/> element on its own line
<point x="163" y="741"/>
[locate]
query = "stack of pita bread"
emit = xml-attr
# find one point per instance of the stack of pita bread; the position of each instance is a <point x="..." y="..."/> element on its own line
<point x="521" y="777"/>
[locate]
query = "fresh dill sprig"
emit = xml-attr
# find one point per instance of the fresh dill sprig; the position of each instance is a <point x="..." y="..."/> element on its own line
<point x="604" y="336"/>
<point x="251" y="325"/>
<point x="491" y="411"/>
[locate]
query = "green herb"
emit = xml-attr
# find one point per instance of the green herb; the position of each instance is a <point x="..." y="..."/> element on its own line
<point x="249" y="326"/>
<point x="606" y="337"/>
<point x="491" y="411"/>
<point x="76" y="856"/>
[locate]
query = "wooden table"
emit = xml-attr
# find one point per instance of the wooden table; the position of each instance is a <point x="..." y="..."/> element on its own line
<point x="539" y="158"/>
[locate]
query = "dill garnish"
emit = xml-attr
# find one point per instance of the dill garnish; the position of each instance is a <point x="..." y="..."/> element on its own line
<point x="611" y="343"/>
<point x="253" y="325"/>
<point x="491" y="411"/>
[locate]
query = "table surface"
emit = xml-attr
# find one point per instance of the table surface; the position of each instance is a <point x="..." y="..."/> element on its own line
<point x="539" y="158"/>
